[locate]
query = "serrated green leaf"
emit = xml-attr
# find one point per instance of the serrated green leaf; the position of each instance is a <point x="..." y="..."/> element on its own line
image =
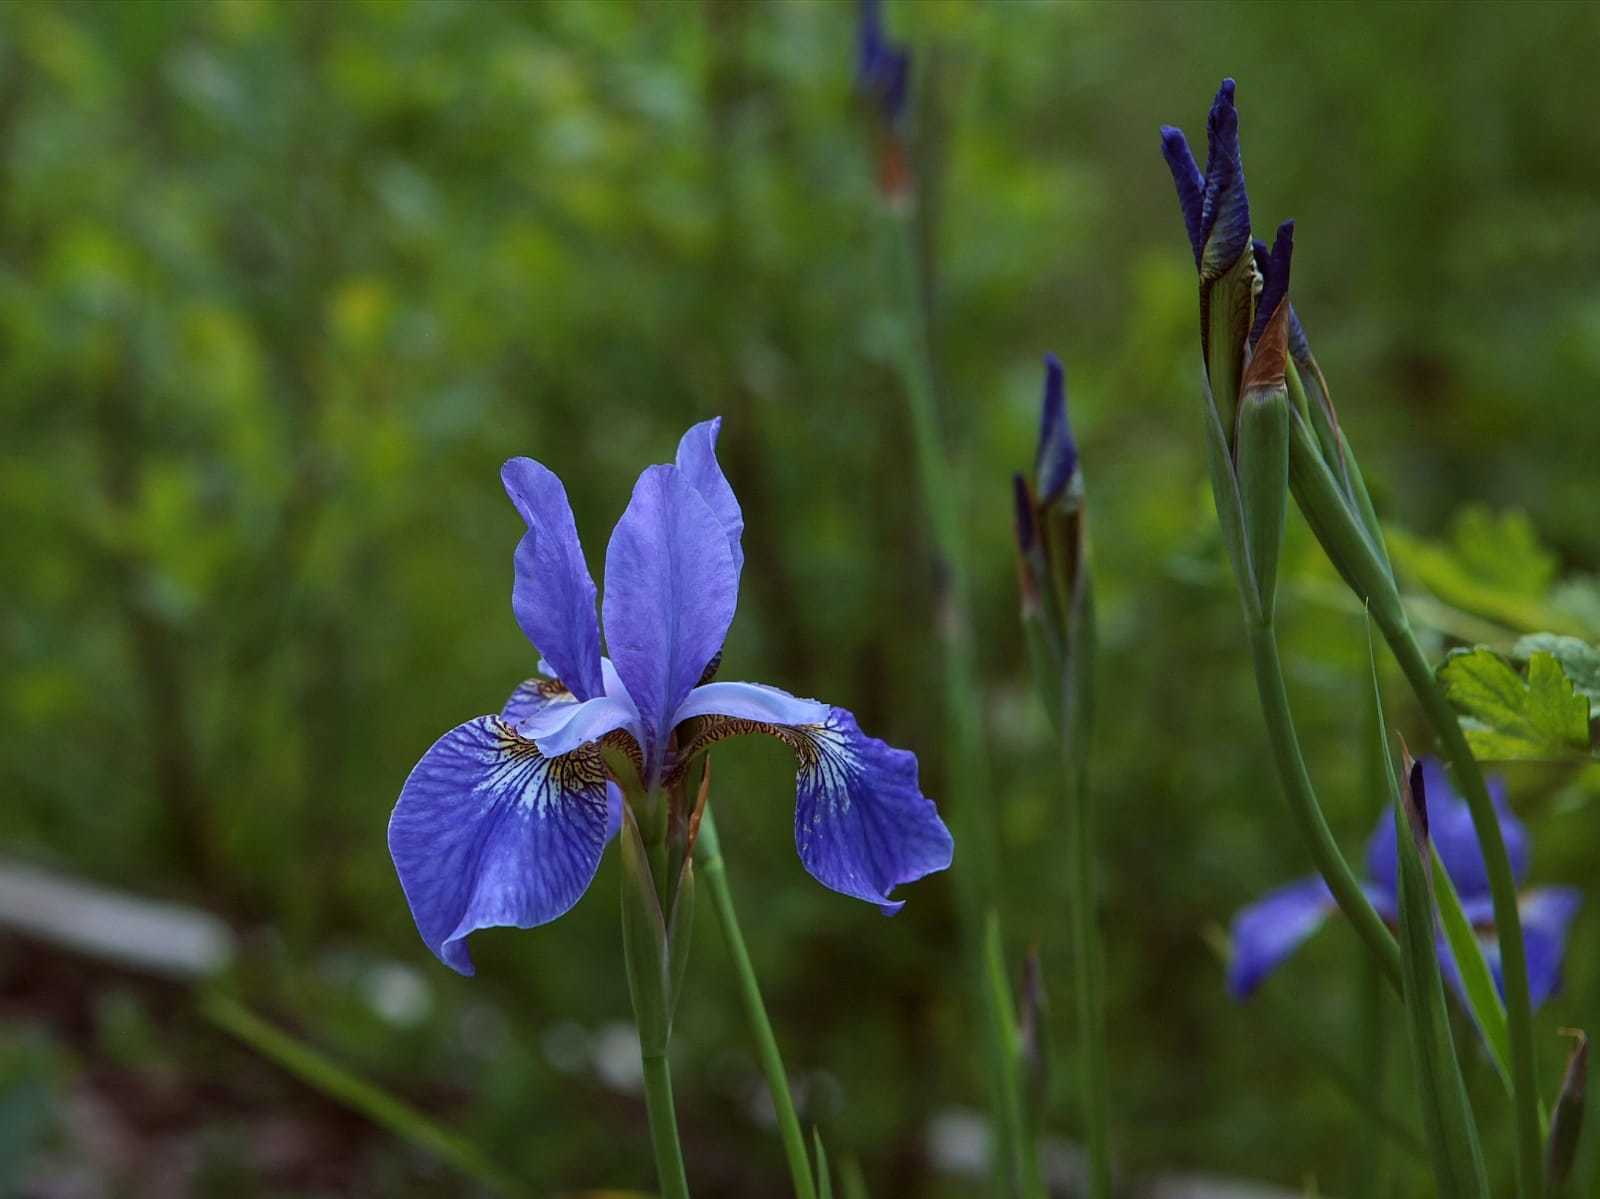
<point x="1492" y="565"/>
<point x="1510" y="718"/>
<point x="1579" y="659"/>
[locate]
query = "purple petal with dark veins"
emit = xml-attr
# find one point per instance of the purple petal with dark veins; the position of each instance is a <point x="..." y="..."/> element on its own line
<point x="489" y="832"/>
<point x="671" y="589"/>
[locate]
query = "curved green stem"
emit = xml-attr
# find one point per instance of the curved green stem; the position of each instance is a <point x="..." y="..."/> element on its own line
<point x="1502" y="887"/>
<point x="1302" y="797"/>
<point x="714" y="873"/>
<point x="664" y="1127"/>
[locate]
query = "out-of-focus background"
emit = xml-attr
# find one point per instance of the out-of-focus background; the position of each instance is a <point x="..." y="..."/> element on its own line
<point x="282" y="285"/>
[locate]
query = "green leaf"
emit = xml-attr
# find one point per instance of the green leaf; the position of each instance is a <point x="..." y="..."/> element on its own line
<point x="1493" y="565"/>
<point x="1447" y="1119"/>
<point x="824" y="1178"/>
<point x="1510" y="718"/>
<point x="1476" y="980"/>
<point x="1579" y="659"/>
<point x="644" y="942"/>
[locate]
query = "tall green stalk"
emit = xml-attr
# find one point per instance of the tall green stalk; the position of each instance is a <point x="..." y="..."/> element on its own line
<point x="714" y="872"/>
<point x="1088" y="960"/>
<point x="968" y="771"/>
<point x="664" y="1126"/>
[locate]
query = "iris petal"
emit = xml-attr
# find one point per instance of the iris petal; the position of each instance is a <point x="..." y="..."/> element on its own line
<point x="751" y="701"/>
<point x="1225" y="215"/>
<point x="489" y="832"/>
<point x="861" y="823"/>
<point x="1269" y="930"/>
<point x="671" y="588"/>
<point x="533" y="696"/>
<point x="697" y="459"/>
<point x="553" y="596"/>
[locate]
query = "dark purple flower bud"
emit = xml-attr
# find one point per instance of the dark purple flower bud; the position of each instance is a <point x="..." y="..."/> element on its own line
<point x="1274" y="268"/>
<point x="1057" y="457"/>
<point x="1216" y="210"/>
<point x="883" y="68"/>
<point x="1191" y="185"/>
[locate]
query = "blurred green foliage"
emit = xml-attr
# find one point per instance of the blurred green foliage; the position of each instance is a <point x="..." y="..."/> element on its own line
<point x="282" y="285"/>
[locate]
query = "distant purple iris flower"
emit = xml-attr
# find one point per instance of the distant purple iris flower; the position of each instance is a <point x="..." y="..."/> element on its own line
<point x="503" y="821"/>
<point x="883" y="67"/>
<point x="1269" y="930"/>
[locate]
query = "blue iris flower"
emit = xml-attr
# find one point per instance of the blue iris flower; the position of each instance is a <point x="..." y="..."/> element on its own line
<point x="1269" y="930"/>
<point x="503" y="821"/>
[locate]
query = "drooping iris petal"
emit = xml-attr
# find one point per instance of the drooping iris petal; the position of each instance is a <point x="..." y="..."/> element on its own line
<point x="671" y="588"/>
<point x="1225" y="211"/>
<point x="553" y="596"/>
<point x="861" y="823"/>
<point x="697" y="459"/>
<point x="489" y="832"/>
<point x="533" y="696"/>
<point x="1269" y="930"/>
<point x="751" y="701"/>
<point x="1190" y="184"/>
<point x="1546" y="913"/>
<point x="1057" y="456"/>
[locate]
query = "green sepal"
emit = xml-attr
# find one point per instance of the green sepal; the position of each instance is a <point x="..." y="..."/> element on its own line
<point x="1230" y="510"/>
<point x="1567" y="1122"/>
<point x="824" y="1176"/>
<point x="680" y="929"/>
<point x="1227" y="305"/>
<point x="1262" y="455"/>
<point x="644" y="942"/>
<point x="1339" y="530"/>
<point x="1045" y="661"/>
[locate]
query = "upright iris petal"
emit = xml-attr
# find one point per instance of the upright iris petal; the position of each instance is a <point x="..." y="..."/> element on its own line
<point x="697" y="460"/>
<point x="1190" y="184"/>
<point x="489" y="832"/>
<point x="671" y="588"/>
<point x="1274" y="265"/>
<point x="553" y="597"/>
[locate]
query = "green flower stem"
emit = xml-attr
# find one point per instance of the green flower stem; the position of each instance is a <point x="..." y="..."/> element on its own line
<point x="664" y="1127"/>
<point x="1088" y="958"/>
<point x="976" y="870"/>
<point x="355" y="1093"/>
<point x="1297" y="788"/>
<point x="714" y="873"/>
<point x="1502" y="887"/>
